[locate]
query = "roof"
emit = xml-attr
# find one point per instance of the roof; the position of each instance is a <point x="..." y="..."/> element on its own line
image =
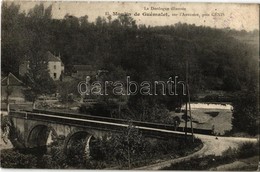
<point x="13" y="81"/>
<point x="83" y="67"/>
<point x="51" y="57"/>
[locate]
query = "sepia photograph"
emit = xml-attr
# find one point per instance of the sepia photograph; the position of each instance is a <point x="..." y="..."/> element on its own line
<point x="129" y="85"/>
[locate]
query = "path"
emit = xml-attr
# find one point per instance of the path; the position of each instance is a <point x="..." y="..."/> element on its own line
<point x="211" y="145"/>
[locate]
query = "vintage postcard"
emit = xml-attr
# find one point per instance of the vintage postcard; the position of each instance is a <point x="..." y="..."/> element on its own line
<point x="129" y="85"/>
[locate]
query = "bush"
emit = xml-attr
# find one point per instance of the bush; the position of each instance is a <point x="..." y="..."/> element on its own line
<point x="245" y="112"/>
<point x="248" y="149"/>
<point x="230" y="154"/>
<point x="13" y="159"/>
<point x="114" y="149"/>
<point x="111" y="150"/>
<point x="98" y="109"/>
<point x="211" y="98"/>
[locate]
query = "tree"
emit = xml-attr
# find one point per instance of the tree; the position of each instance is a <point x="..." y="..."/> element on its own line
<point x="67" y="90"/>
<point x="129" y="145"/>
<point x="245" y="112"/>
<point x="219" y="60"/>
<point x="231" y="82"/>
<point x="112" y="104"/>
<point x="84" y="21"/>
<point x="126" y="20"/>
<point x="14" y="38"/>
<point x="38" y="80"/>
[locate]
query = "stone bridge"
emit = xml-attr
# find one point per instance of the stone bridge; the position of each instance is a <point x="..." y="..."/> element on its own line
<point x="37" y="129"/>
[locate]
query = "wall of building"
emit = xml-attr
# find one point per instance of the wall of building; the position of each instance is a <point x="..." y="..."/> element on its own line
<point x="55" y="70"/>
<point x="16" y="95"/>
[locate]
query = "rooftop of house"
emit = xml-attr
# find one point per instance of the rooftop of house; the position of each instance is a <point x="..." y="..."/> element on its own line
<point x="13" y="80"/>
<point x="49" y="57"/>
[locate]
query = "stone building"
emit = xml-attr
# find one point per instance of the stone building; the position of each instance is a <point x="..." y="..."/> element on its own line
<point x="55" y="66"/>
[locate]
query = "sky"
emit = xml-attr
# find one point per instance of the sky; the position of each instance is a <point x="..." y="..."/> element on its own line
<point x="219" y="15"/>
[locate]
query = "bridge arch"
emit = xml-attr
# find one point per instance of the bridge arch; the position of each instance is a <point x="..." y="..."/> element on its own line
<point x="39" y="134"/>
<point x="77" y="144"/>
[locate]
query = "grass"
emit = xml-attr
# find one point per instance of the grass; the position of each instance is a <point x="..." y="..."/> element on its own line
<point x="248" y="152"/>
<point x="247" y="164"/>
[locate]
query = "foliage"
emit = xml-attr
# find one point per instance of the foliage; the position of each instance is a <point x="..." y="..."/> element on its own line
<point x="245" y="112"/>
<point x="28" y="41"/>
<point x="147" y="53"/>
<point x="38" y="83"/>
<point x="5" y="122"/>
<point x="98" y="109"/>
<point x="124" y="150"/>
<point x="249" y="149"/>
<point x="13" y="134"/>
<point x="14" y="159"/>
<point x="142" y="110"/>
<point x="148" y="109"/>
<point x="177" y="147"/>
<point x="131" y="147"/>
<point x="67" y="90"/>
<point x="120" y="148"/>
<point x="55" y="157"/>
<point x="217" y="59"/>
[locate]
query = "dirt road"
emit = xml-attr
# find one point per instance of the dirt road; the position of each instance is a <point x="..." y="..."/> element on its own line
<point x="211" y="145"/>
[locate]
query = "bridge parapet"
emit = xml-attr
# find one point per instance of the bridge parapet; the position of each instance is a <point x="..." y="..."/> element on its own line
<point x="99" y="123"/>
<point x="37" y="129"/>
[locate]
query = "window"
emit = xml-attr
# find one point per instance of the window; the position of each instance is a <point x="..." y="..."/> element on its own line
<point x="54" y="75"/>
<point x="54" y="66"/>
